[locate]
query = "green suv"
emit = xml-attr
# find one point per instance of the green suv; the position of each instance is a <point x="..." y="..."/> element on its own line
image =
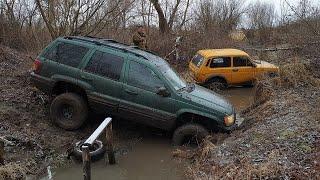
<point x="86" y="73"/>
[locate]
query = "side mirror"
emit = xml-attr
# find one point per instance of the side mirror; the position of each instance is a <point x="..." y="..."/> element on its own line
<point x="162" y="91"/>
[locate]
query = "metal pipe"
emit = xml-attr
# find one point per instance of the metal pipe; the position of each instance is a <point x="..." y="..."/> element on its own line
<point x="98" y="131"/>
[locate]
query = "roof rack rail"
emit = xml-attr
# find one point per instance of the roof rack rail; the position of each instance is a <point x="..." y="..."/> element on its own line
<point x="104" y="39"/>
<point x="137" y="47"/>
<point x="104" y="42"/>
<point x="88" y="36"/>
<point x="111" y="40"/>
<point x="84" y="39"/>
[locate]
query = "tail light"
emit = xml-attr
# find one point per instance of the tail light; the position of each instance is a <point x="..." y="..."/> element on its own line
<point x="36" y="66"/>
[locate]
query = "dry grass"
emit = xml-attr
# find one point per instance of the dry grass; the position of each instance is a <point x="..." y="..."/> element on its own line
<point x="12" y="171"/>
<point x="296" y="74"/>
<point x="292" y="75"/>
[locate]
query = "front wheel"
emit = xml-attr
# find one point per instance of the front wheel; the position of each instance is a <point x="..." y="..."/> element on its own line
<point x="189" y="133"/>
<point x="69" y="111"/>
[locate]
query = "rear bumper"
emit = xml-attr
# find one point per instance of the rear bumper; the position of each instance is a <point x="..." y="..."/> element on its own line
<point x="42" y="83"/>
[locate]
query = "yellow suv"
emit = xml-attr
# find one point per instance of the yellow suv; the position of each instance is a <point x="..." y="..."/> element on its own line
<point x="223" y="67"/>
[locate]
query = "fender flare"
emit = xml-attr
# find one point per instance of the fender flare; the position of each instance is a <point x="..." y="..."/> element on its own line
<point x="66" y="79"/>
<point x="207" y="115"/>
<point x="216" y="76"/>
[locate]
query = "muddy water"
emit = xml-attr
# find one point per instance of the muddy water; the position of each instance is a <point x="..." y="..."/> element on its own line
<point x="147" y="155"/>
<point x="240" y="97"/>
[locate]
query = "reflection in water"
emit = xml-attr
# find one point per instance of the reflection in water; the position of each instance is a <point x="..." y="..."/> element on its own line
<point x="149" y="158"/>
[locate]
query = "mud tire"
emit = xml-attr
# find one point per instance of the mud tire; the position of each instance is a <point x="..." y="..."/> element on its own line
<point x="97" y="150"/>
<point x="184" y="131"/>
<point x="217" y="84"/>
<point x="79" y="112"/>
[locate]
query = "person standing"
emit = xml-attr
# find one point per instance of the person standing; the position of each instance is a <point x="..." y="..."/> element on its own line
<point x="139" y="38"/>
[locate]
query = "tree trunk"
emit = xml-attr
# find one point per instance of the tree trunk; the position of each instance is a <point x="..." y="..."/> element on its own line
<point x="48" y="23"/>
<point x="163" y="24"/>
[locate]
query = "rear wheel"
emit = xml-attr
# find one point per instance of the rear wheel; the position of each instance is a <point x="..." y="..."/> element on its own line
<point x="69" y="111"/>
<point x="217" y="84"/>
<point x="189" y="134"/>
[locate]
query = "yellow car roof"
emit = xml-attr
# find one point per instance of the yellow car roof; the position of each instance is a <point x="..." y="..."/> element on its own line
<point x="221" y="52"/>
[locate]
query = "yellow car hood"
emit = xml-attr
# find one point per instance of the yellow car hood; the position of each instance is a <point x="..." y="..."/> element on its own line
<point x="264" y="64"/>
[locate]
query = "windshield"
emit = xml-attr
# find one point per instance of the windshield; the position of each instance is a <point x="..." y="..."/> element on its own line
<point x="172" y="77"/>
<point x="197" y="60"/>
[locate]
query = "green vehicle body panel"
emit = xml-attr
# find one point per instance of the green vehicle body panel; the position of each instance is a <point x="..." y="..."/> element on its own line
<point x="117" y="97"/>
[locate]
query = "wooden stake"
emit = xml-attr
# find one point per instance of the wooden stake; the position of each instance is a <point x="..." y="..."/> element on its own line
<point x="1" y="152"/>
<point x="86" y="163"/>
<point x="109" y="145"/>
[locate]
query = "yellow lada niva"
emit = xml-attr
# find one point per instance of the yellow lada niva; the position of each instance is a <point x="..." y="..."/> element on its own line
<point x="223" y="67"/>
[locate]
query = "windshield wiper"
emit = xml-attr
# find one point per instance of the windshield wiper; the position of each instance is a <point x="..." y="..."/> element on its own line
<point x="182" y="89"/>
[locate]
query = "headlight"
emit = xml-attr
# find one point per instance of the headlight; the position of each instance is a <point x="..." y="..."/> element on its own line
<point x="229" y="120"/>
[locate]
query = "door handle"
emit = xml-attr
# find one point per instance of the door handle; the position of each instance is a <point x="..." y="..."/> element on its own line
<point x="235" y="70"/>
<point x="130" y="92"/>
<point x="86" y="78"/>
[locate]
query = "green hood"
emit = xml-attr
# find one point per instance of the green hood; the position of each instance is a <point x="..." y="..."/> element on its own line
<point x="209" y="99"/>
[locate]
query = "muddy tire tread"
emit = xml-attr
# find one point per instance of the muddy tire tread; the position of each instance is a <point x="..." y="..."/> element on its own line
<point x="188" y="129"/>
<point x="80" y="107"/>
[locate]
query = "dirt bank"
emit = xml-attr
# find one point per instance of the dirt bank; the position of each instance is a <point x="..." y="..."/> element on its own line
<point x="280" y="137"/>
<point x="32" y="142"/>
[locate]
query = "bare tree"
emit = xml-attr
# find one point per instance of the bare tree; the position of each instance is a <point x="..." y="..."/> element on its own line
<point x="224" y="14"/>
<point x="76" y="17"/>
<point x="163" y="24"/>
<point x="261" y="15"/>
<point x="168" y="15"/>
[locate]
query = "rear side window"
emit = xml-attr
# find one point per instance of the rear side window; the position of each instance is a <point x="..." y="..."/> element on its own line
<point x="220" y="62"/>
<point x="68" y="54"/>
<point x="241" y="61"/>
<point x="197" y="60"/>
<point x="106" y="65"/>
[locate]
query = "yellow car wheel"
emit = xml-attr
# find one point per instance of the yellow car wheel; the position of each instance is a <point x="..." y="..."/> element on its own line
<point x="217" y="84"/>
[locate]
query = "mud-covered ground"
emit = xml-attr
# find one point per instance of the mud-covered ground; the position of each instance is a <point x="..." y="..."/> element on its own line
<point x="280" y="137"/>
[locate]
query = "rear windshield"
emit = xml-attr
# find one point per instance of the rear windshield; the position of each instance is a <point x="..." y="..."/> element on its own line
<point x="197" y="60"/>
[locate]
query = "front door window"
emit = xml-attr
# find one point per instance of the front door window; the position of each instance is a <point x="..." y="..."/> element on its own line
<point x="142" y="77"/>
<point x="241" y="62"/>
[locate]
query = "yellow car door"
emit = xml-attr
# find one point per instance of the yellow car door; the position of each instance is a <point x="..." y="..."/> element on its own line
<point x="242" y="70"/>
<point x="219" y="67"/>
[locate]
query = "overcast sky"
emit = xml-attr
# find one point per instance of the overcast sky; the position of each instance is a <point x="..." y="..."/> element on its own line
<point x="278" y="3"/>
